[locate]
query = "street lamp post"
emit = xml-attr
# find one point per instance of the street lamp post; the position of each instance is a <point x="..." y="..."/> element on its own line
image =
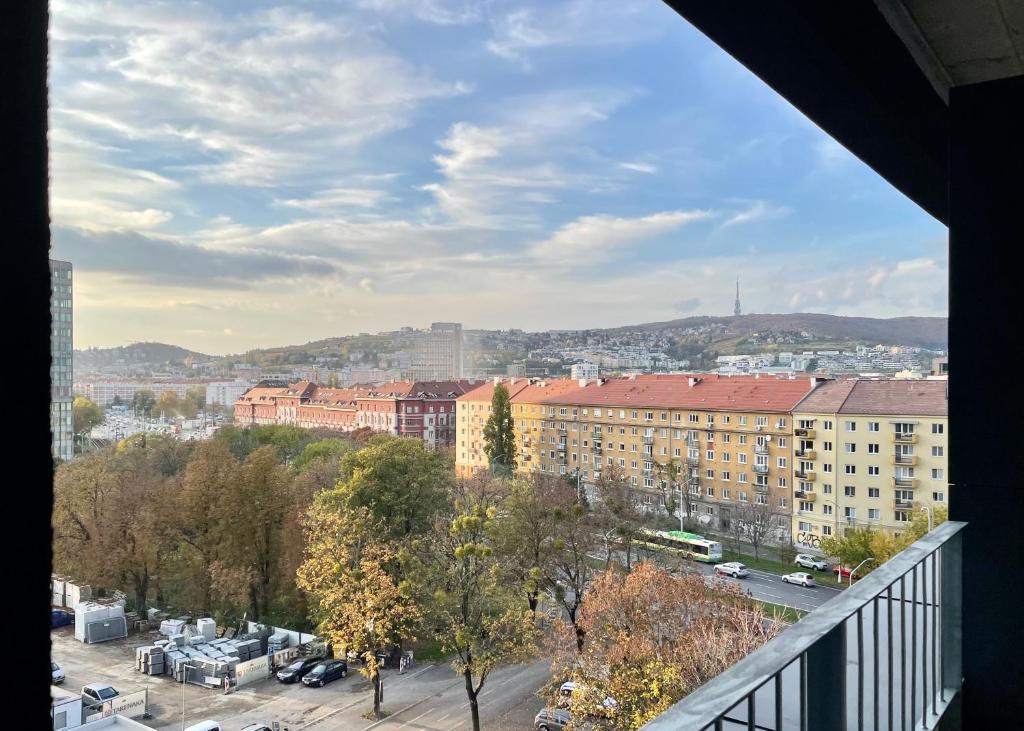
<point x="184" y="678"/>
<point x="870" y="558"/>
<point x="928" y="510"/>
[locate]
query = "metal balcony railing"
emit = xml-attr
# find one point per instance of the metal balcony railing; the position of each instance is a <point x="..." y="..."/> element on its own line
<point x="885" y="653"/>
<point x="761" y="469"/>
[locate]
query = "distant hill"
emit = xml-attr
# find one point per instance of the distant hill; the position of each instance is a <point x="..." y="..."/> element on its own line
<point x="138" y="353"/>
<point x="922" y="332"/>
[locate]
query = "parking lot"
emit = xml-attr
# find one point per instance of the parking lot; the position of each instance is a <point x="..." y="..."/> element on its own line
<point x="425" y="698"/>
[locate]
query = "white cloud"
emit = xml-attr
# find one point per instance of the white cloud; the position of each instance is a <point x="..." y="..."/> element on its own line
<point x="759" y="211"/>
<point x="639" y="167"/>
<point x="593" y="238"/>
<point x="441" y="12"/>
<point x="334" y="198"/>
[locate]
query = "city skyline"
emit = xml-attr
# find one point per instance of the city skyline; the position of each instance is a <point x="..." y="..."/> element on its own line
<point x="240" y="176"/>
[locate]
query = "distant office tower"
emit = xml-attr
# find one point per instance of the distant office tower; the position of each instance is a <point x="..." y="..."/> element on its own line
<point x="61" y="415"/>
<point x="736" y="309"/>
<point x="584" y="370"/>
<point x="438" y="353"/>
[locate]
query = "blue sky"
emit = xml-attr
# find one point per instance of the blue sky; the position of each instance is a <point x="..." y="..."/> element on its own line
<point x="228" y="175"/>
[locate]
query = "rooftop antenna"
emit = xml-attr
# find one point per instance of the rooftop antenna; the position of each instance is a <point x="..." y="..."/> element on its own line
<point x="736" y="308"/>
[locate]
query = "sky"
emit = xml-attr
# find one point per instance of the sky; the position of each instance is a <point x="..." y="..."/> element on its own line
<point x="231" y="175"/>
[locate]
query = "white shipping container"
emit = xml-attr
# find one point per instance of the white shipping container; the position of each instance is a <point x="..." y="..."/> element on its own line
<point x="86" y="612"/>
<point x="208" y="628"/>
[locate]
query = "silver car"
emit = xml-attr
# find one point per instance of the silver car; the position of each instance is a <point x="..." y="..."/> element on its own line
<point x="732" y="568"/>
<point x="551" y="719"/>
<point x="807" y="561"/>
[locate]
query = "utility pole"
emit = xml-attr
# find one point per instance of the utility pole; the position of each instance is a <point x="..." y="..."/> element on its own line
<point x="928" y="510"/>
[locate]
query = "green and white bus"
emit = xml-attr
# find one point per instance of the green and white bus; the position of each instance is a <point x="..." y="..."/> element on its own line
<point x="696" y="547"/>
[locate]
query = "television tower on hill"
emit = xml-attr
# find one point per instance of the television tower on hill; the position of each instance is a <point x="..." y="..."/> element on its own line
<point x="736" y="308"/>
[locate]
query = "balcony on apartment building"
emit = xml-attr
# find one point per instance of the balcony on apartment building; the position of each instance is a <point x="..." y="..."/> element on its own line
<point x="910" y="482"/>
<point x="805" y="433"/>
<point x="693" y="461"/>
<point x="903" y="437"/>
<point x="900" y="504"/>
<point x="761" y="487"/>
<point x="808" y="454"/>
<point x="803" y="474"/>
<point x="761" y="448"/>
<point x="648" y="439"/>
<point x="761" y="469"/>
<point x="808" y="496"/>
<point x="596" y="447"/>
<point x="904" y="459"/>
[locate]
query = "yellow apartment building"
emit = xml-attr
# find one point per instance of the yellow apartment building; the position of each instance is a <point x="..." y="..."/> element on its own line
<point x="868" y="453"/>
<point x="730" y="435"/>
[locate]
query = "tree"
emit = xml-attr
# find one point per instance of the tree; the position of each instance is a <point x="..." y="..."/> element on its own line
<point x="754" y="522"/>
<point x="401" y="482"/>
<point x="475" y="612"/>
<point x="499" y="433"/>
<point x="619" y="507"/>
<point x="197" y="396"/>
<point x="354" y="577"/>
<point x="851" y="549"/>
<point x="332" y="449"/>
<point x="143" y="401"/>
<point x="674" y="478"/>
<point x="569" y="573"/>
<point x="859" y="544"/>
<point x="86" y="415"/>
<point x="639" y="662"/>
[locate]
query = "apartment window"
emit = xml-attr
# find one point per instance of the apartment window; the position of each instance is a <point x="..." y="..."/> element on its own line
<point x="938" y="428"/>
<point x="874" y="514"/>
<point x="874" y="492"/>
<point x="632" y="447"/>
<point x="743" y="497"/>
<point x="826" y="467"/>
<point x="850" y="513"/>
<point x="873" y="470"/>
<point x="872" y="426"/>
<point x="936" y="474"/>
<point x="782" y="462"/>
<point x="694" y="418"/>
<point x="597" y="412"/>
<point x="710" y="491"/>
<point x="726" y="438"/>
<point x="648" y="416"/>
<point x="826" y="509"/>
<point x="634" y="481"/>
<point x="826" y="530"/>
<point x="742" y="477"/>
<point x="782" y="442"/>
<point x="937" y="451"/>
<point x="780" y="424"/>
<point x="850" y="447"/>
<point x="725" y="419"/>
<point x="826" y="446"/>
<point x="938" y="497"/>
<point x="782" y="502"/>
<point x="850" y="469"/>
<point x="741" y="458"/>
<point x="872" y="449"/>
<point x="742" y="439"/>
<point x="805" y="423"/>
<point x="664" y="416"/>
<point x="850" y="491"/>
<point x="761" y="499"/>
<point x="634" y="431"/>
<point x="710" y="474"/>
<point x="710" y="455"/>
<point x="782" y="482"/>
<point x="725" y="476"/>
<point x="902" y="516"/>
<point x="633" y="464"/>
<point x="806" y="507"/>
<point x="622" y="446"/>
<point x="709" y="511"/>
<point x="806" y="527"/>
<point x="622" y="413"/>
<point x="761" y="421"/>
<point x="726" y="456"/>
<point x="743" y="421"/>
<point x="725" y="493"/>
<point x="676" y="452"/>
<point x="826" y="425"/>
<point x="851" y="426"/>
<point x="563" y="411"/>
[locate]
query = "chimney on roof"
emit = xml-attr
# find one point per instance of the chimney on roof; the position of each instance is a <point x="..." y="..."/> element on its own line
<point x="599" y="381"/>
<point x="632" y="376"/>
<point x="512" y="382"/>
<point x="582" y="382"/>
<point x="497" y="380"/>
<point x="693" y="381"/>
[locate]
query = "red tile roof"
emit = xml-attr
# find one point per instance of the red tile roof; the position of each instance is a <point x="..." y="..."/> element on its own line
<point x="522" y="390"/>
<point x="682" y="391"/>
<point x="891" y="396"/>
<point x="418" y="389"/>
<point x="827" y="398"/>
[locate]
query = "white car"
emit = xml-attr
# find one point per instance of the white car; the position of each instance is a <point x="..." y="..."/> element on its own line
<point x="56" y="673"/>
<point x="807" y="561"/>
<point x="732" y="568"/>
<point x="96" y="694"/>
<point x="799" y="578"/>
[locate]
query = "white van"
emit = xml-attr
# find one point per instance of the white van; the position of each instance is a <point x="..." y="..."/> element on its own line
<point x="205" y="726"/>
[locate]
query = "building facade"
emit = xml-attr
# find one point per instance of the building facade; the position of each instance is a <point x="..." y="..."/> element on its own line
<point x="62" y="418"/>
<point x="437" y="355"/>
<point x="583" y="370"/>
<point x="868" y="454"/>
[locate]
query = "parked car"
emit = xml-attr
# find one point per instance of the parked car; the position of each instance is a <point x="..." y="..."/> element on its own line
<point x="294" y="672"/>
<point x="807" y="561"/>
<point x="325" y="672"/>
<point x="551" y="719"/>
<point x="843" y="572"/>
<point x="59" y="618"/>
<point x="732" y="568"/>
<point x="56" y="674"/>
<point x="569" y="687"/>
<point x="96" y="694"/>
<point x="257" y="727"/>
<point x="801" y="578"/>
<point x="205" y="726"/>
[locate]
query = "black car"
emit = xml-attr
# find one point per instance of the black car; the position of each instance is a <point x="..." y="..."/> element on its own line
<point x="325" y="672"/>
<point x="294" y="672"/>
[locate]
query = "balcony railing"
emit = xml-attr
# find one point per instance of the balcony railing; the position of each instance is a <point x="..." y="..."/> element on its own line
<point x="761" y="469"/>
<point x="693" y="460"/>
<point x="809" y="475"/>
<point x="806" y="454"/>
<point x="905" y="481"/>
<point x="904" y="459"/>
<point x="805" y="433"/>
<point x="885" y="653"/>
<point x="648" y="439"/>
<point x="899" y="504"/>
<point x="806" y="496"/>
<point x="901" y="437"/>
<point x="760" y="449"/>
<point x="596" y="447"/>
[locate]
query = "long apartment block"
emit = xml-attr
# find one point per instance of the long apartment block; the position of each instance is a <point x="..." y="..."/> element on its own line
<point x="736" y="441"/>
<point x="869" y="453"/>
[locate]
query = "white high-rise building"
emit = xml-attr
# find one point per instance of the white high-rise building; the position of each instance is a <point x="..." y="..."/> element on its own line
<point x="62" y="418"/>
<point x="584" y="370"/>
<point x="438" y="353"/>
